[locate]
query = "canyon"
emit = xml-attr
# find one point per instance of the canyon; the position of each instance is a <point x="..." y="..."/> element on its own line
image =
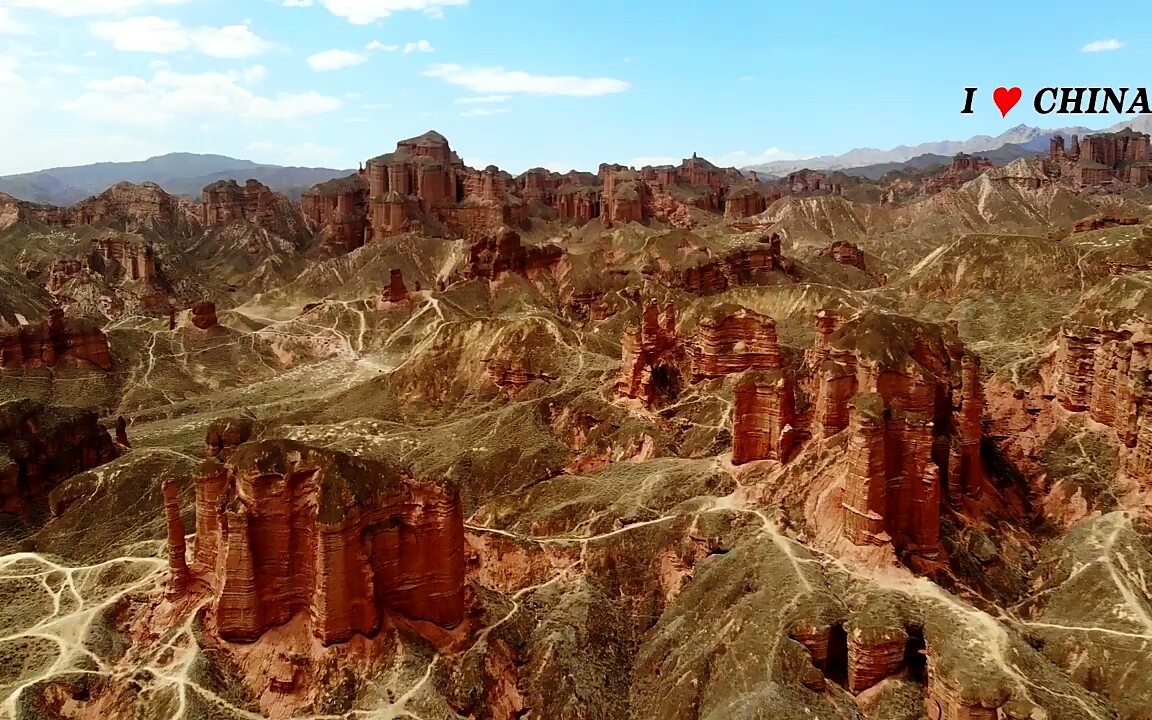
<point x="674" y="441"/>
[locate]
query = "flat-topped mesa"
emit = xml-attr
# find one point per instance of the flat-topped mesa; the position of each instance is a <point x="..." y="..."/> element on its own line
<point x="1108" y="374"/>
<point x="813" y="182"/>
<point x="653" y="357"/>
<point x="42" y="445"/>
<point x="53" y="341"/>
<point x="133" y="208"/>
<point x="763" y="416"/>
<point x="756" y="265"/>
<point x="745" y="201"/>
<point x="502" y="252"/>
<point x="339" y="210"/>
<point x="913" y="383"/>
<point x="845" y="253"/>
<point x="283" y="528"/>
<point x="422" y="175"/>
<point x="732" y="339"/>
<point x="204" y="315"/>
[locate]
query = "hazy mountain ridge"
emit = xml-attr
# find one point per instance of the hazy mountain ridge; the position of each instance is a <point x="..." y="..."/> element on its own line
<point x="178" y="173"/>
<point x="1032" y="138"/>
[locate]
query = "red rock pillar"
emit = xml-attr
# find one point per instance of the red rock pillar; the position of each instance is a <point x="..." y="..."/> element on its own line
<point x="238" y="608"/>
<point x="122" y="431"/>
<point x="762" y="417"/>
<point x="209" y="492"/>
<point x="177" y="561"/>
<point x="396" y="292"/>
<point x="866" y="485"/>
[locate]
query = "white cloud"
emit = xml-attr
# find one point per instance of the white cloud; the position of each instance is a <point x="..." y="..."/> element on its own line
<point x="254" y="74"/>
<point x="365" y="12"/>
<point x="303" y="153"/>
<point x="418" y="46"/>
<point x="1102" y="45"/>
<point x="10" y="25"/>
<point x="334" y="60"/>
<point x="169" y="96"/>
<point x="76" y="8"/>
<point x="483" y="99"/>
<point x="497" y="80"/>
<point x="483" y="112"/>
<point x="152" y="34"/>
<point x="377" y="45"/>
<point x="297" y="3"/>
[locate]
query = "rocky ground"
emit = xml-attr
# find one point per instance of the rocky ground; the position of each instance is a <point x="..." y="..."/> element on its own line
<point x="507" y="469"/>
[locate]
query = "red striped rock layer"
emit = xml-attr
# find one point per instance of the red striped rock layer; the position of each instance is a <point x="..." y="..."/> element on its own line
<point x="1106" y="373"/>
<point x="52" y="341"/>
<point x="732" y="339"/>
<point x="650" y="354"/>
<point x="763" y="417"/>
<point x="923" y="396"/>
<point x="42" y="445"/>
<point x="284" y="528"/>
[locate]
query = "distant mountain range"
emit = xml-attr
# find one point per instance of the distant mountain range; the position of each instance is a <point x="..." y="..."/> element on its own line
<point x="179" y="173"/>
<point x="1027" y="137"/>
<point x="1000" y="156"/>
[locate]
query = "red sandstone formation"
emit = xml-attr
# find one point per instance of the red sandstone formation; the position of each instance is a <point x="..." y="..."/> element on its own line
<point x="284" y="528"/>
<point x="204" y="315"/>
<point x="512" y="373"/>
<point x="1106" y="373"/>
<point x="225" y="435"/>
<point x="52" y="341"/>
<point x="177" y="551"/>
<point x="845" y="253"/>
<point x="225" y="202"/>
<point x="732" y="339"/>
<point x="42" y="445"/>
<point x="624" y="197"/>
<point x="653" y="358"/>
<point x="1101" y="159"/>
<point x="763" y="417"/>
<point x="1100" y="222"/>
<point x="124" y="206"/>
<point x="396" y="291"/>
<point x="114" y="258"/>
<point x="910" y="396"/>
<point x="122" y="432"/>
<point x="340" y="209"/>
<point x="742" y="267"/>
<point x="501" y="253"/>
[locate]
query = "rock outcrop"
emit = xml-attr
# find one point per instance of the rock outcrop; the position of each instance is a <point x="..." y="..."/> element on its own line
<point x="339" y="208"/>
<point x="845" y="253"/>
<point x="653" y="359"/>
<point x="1108" y="374"/>
<point x="57" y="340"/>
<point x="732" y="339"/>
<point x="226" y="434"/>
<point x="909" y="394"/>
<point x="757" y="265"/>
<point x="763" y="416"/>
<point x="284" y="528"/>
<point x="204" y="315"/>
<point x="502" y="252"/>
<point x="225" y="202"/>
<point x="42" y="445"/>
<point x="396" y="291"/>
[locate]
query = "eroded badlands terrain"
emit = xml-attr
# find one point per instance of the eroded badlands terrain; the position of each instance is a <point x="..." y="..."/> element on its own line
<point x="668" y="443"/>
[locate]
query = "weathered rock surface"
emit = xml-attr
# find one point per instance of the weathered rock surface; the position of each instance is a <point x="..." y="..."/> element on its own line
<point x="204" y="315"/>
<point x="43" y="445"/>
<point x="284" y="528"/>
<point x="57" y="340"/>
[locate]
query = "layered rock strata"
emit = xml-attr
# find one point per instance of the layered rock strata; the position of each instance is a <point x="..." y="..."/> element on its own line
<point x="845" y="253"/>
<point x="732" y="339"/>
<point x="1108" y="374"/>
<point x="204" y="315"/>
<point x="226" y="434"/>
<point x="284" y="528"/>
<point x="763" y="416"/>
<point x="502" y="252"/>
<point x="653" y="358"/>
<point x="42" y="445"/>
<point x="53" y="341"/>
<point x="909" y="395"/>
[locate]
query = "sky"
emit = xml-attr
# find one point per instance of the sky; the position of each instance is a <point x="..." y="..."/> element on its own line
<point x="525" y="83"/>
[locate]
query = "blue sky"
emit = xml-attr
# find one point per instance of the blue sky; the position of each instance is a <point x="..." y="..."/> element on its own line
<point x="521" y="83"/>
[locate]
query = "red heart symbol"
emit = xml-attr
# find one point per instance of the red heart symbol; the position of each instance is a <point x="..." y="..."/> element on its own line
<point x="1006" y="99"/>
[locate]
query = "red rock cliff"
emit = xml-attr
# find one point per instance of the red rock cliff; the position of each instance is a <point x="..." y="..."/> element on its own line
<point x="42" y="445"/>
<point x="55" y="340"/>
<point x="226" y="202"/>
<point x="653" y="358"/>
<point x="284" y="528"/>
<point x="763" y="417"/>
<point x="921" y="412"/>
<point x="732" y="339"/>
<point x="1108" y="374"/>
